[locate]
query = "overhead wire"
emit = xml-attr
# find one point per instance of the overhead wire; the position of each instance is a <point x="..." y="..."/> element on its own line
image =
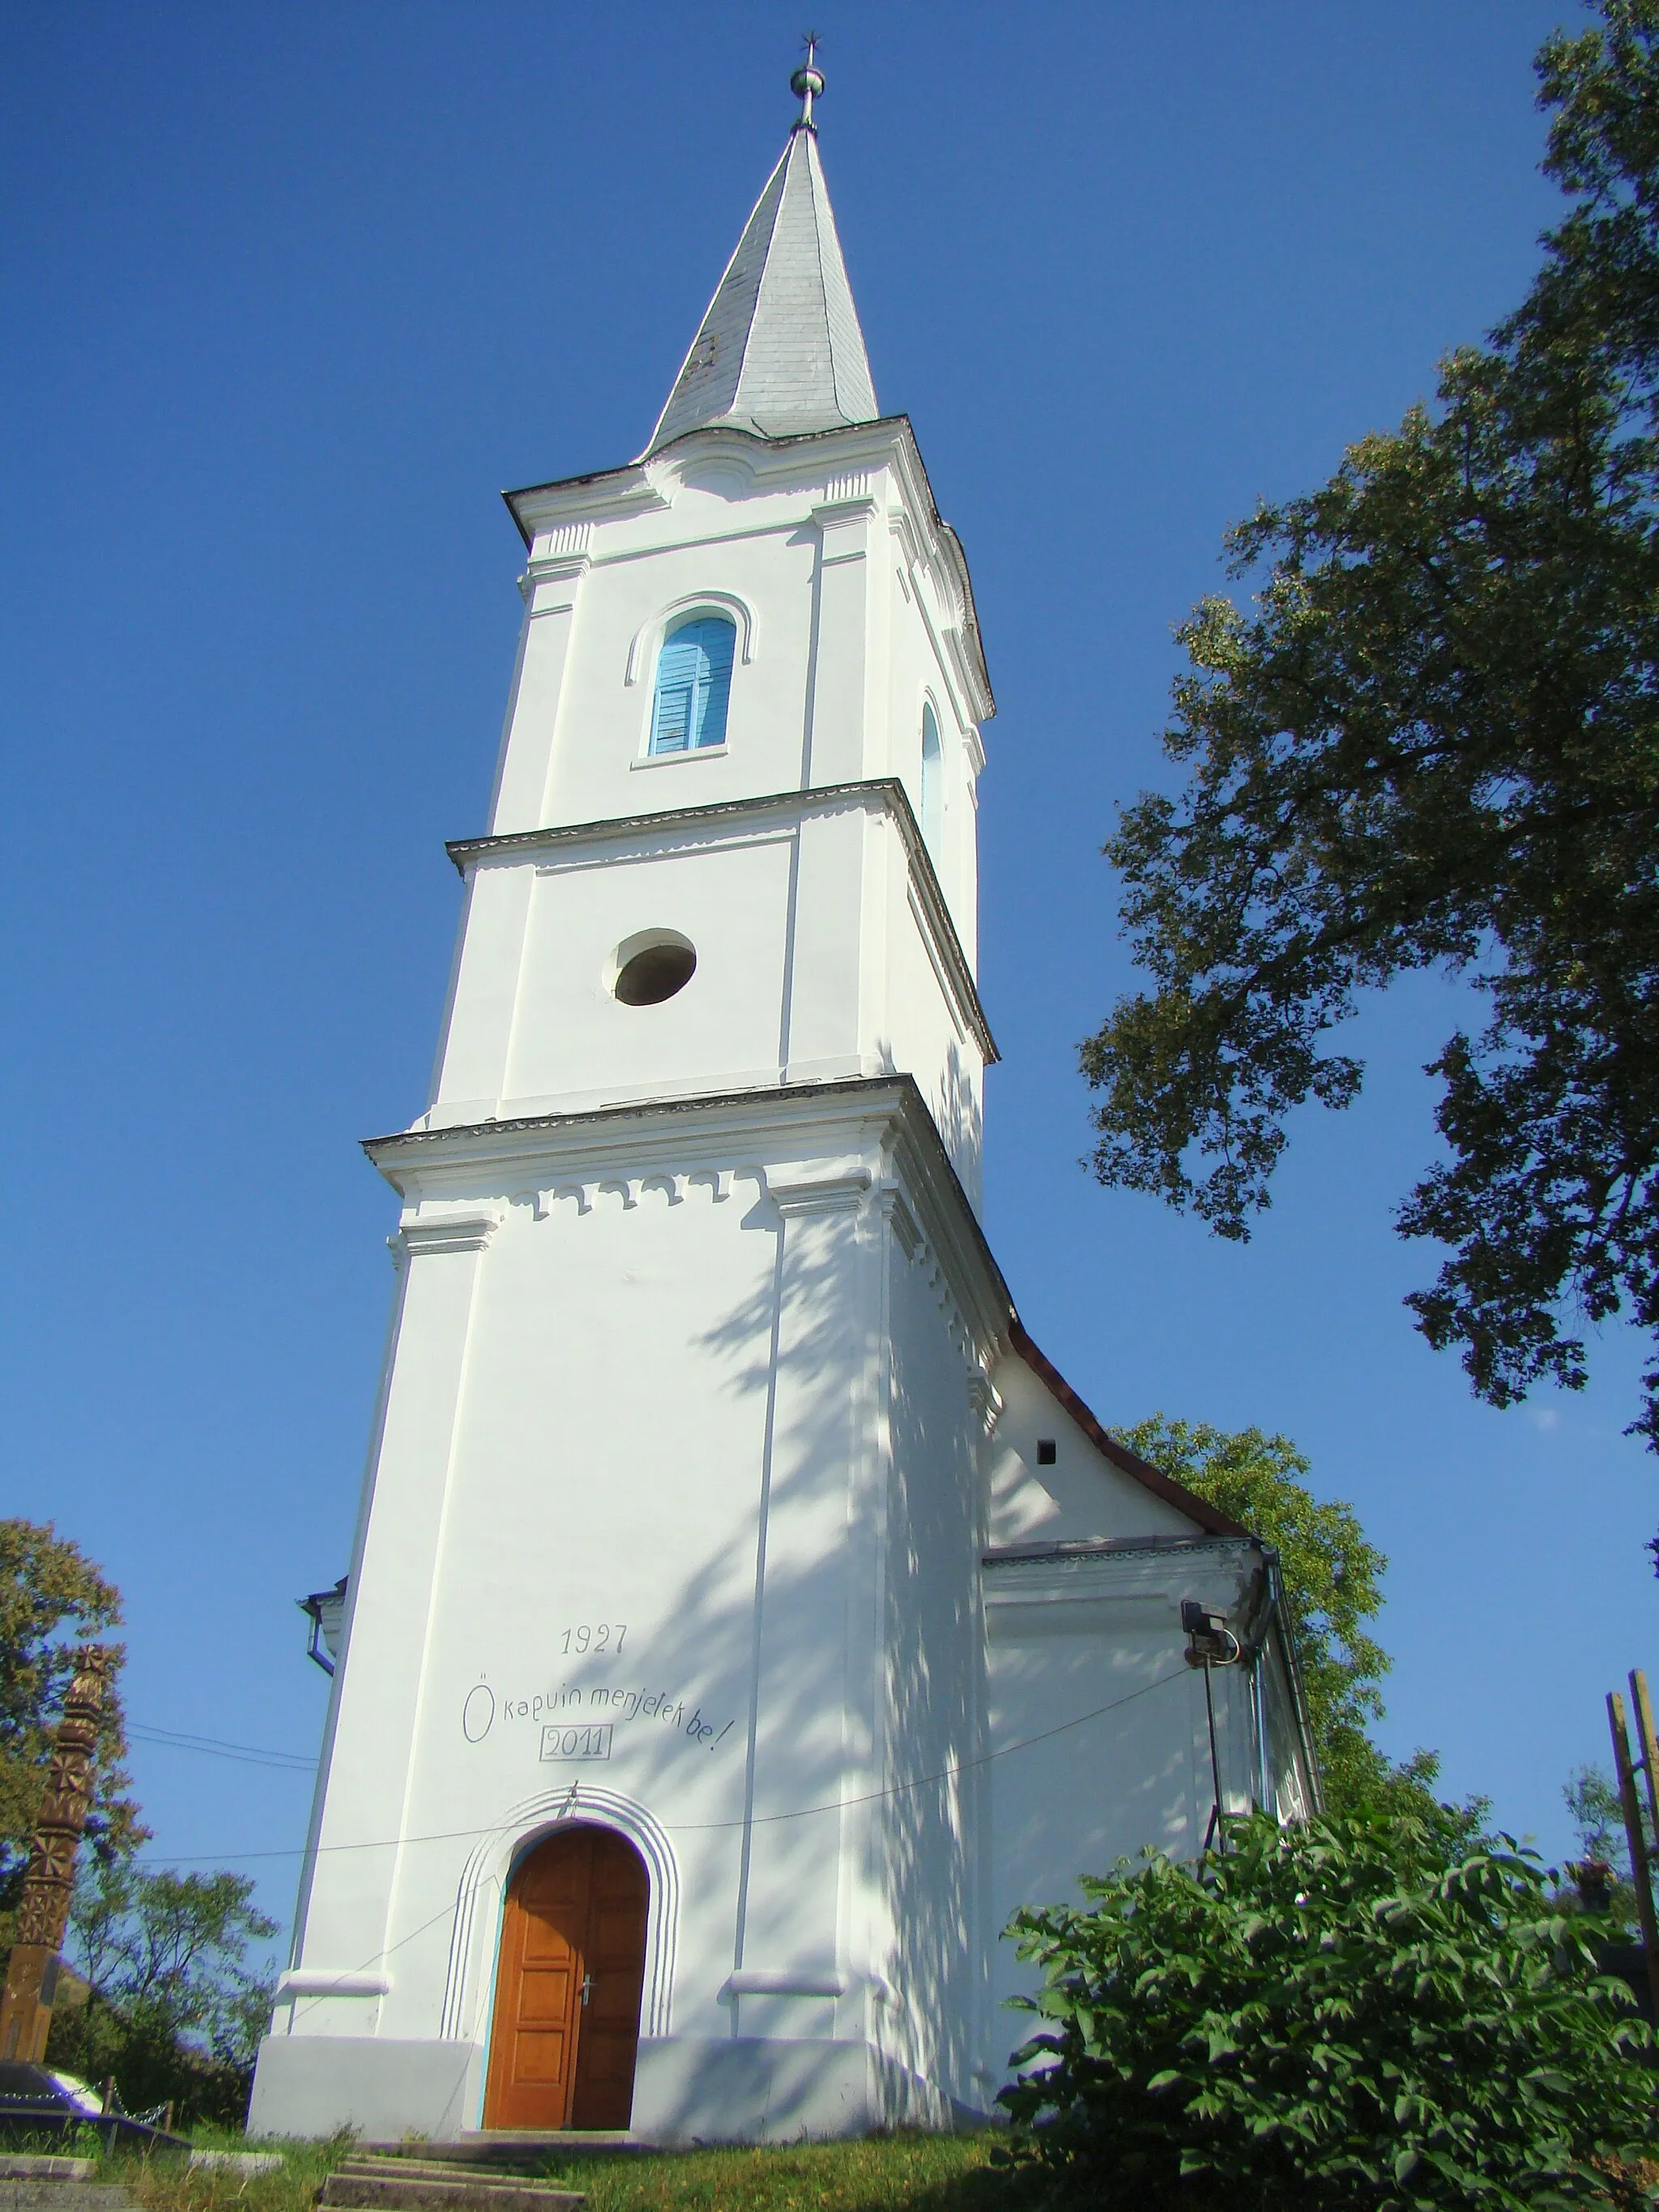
<point x="303" y="2006"/>
<point x="214" y="1747"/>
<point x="697" y="1827"/>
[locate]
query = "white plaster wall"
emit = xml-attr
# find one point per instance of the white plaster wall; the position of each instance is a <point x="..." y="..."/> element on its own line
<point x="535" y="1026"/>
<point x="816" y="960"/>
<point x="570" y="1034"/>
<point x="919" y="671"/>
<point x="1098" y="1727"/>
<point x="934" y="1715"/>
<point x="695" y="1386"/>
<point x="607" y="1397"/>
<point x="827" y="1029"/>
<point x="637" y="1388"/>
<point x="842" y="626"/>
<point x="758" y="554"/>
<point x="921" y="1029"/>
<point x="604" y="1475"/>
<point x="1082" y="1496"/>
<point x="345" y="1894"/>
<point x="470" y="1068"/>
<point x="1068" y="1638"/>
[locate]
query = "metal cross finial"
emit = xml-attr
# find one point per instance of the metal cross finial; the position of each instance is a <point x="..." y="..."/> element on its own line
<point x="808" y="83"/>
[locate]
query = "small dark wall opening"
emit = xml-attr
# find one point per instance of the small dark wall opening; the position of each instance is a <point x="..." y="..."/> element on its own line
<point x="656" y="973"/>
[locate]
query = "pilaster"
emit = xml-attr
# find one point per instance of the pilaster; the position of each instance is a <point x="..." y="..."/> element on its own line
<point x="788" y="1912"/>
<point x="841" y="655"/>
<point x="550" y="584"/>
<point x="376" y="1737"/>
<point x="472" y="1055"/>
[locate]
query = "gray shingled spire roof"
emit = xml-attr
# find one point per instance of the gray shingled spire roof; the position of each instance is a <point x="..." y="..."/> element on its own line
<point x="779" y="351"/>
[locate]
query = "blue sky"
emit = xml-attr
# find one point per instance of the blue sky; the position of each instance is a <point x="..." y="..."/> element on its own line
<point x="290" y="293"/>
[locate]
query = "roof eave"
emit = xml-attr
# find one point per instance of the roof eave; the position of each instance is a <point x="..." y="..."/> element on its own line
<point x="630" y="474"/>
<point x="1209" y="1517"/>
<point x="633" y="474"/>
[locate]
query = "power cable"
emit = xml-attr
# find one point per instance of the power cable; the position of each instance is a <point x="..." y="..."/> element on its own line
<point x="303" y="2006"/>
<point x="699" y="1827"/>
<point x="213" y="1747"/>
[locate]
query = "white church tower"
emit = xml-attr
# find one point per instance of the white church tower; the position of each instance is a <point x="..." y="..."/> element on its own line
<point x="744" y="1617"/>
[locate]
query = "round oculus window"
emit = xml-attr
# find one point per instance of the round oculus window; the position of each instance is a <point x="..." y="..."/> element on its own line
<point x="653" y="968"/>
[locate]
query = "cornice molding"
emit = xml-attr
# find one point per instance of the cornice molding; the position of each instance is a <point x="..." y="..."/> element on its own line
<point x="735" y="1131"/>
<point x="793" y="1194"/>
<point x="986" y="1400"/>
<point x="947" y="1239"/>
<point x="326" y="1982"/>
<point x="784" y="1982"/>
<point x="887" y="792"/>
<point x="838" y="514"/>
<point x="1087" y="1550"/>
<point x="460" y="1232"/>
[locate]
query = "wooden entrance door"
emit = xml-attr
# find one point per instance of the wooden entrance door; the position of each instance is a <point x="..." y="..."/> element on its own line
<point x="569" y="1984"/>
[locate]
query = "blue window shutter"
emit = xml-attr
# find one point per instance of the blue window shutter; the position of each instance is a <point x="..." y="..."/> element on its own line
<point x="694" y="685"/>
<point x="677" y="683"/>
<point x="717" y="642"/>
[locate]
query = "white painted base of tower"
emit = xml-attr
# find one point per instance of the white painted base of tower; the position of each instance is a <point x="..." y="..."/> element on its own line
<point x="379" y="2086"/>
<point x="687" y="2088"/>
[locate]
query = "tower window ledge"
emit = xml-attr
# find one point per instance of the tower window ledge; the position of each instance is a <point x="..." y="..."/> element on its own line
<point x="674" y="760"/>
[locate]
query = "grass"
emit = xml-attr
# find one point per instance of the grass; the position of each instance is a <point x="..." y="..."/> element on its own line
<point x="884" y="2173"/>
<point x="165" y="2183"/>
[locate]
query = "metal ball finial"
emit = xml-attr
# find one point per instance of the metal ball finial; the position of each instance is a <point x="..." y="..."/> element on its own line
<point x="808" y="83"/>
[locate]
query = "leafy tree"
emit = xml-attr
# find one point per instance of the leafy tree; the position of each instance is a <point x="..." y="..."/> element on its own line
<point x="1433" y="742"/>
<point x="1592" y="1798"/>
<point x="176" y="2012"/>
<point x="1331" y="1577"/>
<point x="173" y="1944"/>
<point x="52" y="1598"/>
<point x="1353" y="2012"/>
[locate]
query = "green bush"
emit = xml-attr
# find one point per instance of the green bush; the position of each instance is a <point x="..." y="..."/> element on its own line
<point x="152" y="2064"/>
<point x="175" y="2012"/>
<point x="1357" y="2012"/>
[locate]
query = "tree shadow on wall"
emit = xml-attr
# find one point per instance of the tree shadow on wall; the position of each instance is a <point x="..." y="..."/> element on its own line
<point x="872" y="1727"/>
<point x="903" y="1559"/>
<point x="962" y="1120"/>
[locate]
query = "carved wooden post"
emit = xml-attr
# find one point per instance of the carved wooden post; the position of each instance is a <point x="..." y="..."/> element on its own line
<point x="1640" y="1864"/>
<point x="43" y="1909"/>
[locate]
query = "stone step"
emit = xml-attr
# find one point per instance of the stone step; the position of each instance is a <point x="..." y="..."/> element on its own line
<point x="394" y="2188"/>
<point x="45" y="2166"/>
<point x="505" y="2149"/>
<point x="356" y="2166"/>
<point x="45" y="2195"/>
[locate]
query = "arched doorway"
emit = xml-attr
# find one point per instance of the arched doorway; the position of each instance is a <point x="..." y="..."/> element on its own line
<point x="566" y="2020"/>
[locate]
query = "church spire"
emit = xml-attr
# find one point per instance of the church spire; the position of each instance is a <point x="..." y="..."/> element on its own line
<point x="779" y="351"/>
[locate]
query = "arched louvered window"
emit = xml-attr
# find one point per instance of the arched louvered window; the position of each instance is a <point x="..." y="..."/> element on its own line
<point x="694" y="684"/>
<point x="933" y="779"/>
